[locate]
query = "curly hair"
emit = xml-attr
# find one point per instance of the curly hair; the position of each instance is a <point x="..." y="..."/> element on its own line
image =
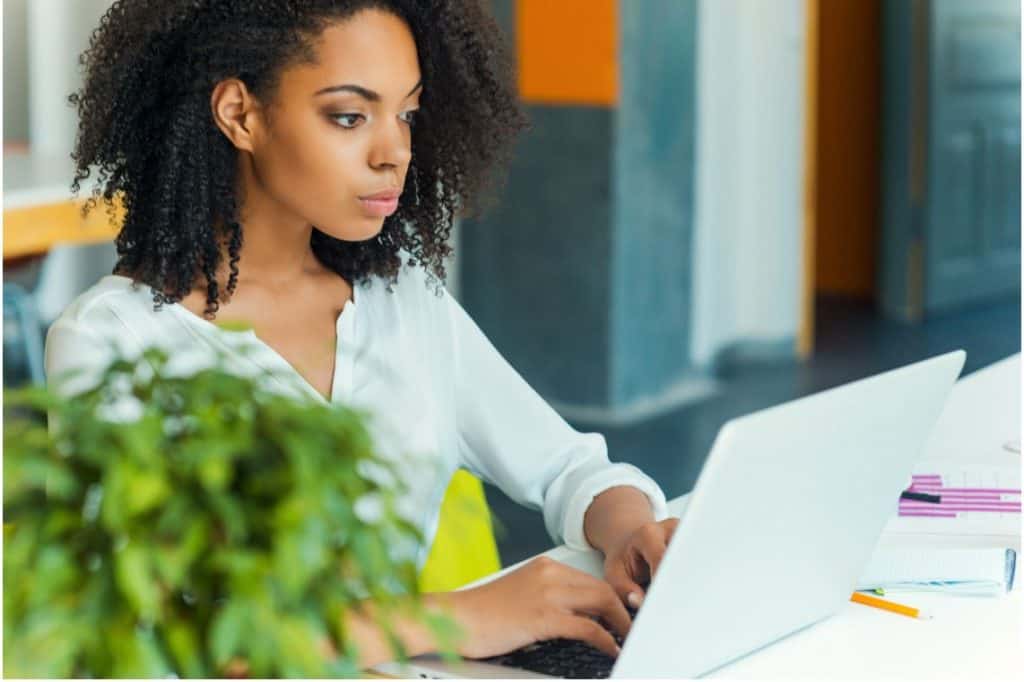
<point x="147" y="130"/>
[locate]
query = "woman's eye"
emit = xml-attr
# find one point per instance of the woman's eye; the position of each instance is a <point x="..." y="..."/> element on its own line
<point x="347" y="120"/>
<point x="410" y="116"/>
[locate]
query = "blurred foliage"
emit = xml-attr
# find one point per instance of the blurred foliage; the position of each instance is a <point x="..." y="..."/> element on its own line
<point x="195" y="526"/>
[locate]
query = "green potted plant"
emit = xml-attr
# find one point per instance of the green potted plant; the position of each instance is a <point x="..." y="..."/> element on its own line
<point x="195" y="526"/>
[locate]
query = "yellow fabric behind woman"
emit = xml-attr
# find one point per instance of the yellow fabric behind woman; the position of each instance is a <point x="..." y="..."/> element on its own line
<point x="464" y="548"/>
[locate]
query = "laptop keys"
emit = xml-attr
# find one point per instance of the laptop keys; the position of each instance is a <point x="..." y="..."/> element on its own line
<point x="568" y="658"/>
<point x="560" y="658"/>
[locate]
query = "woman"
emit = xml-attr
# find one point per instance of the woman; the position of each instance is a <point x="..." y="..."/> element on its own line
<point x="295" y="166"/>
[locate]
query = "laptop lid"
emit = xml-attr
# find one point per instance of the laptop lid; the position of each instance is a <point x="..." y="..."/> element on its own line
<point x="784" y="516"/>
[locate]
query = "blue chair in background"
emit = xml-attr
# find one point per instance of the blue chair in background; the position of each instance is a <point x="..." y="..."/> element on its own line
<point x="32" y="303"/>
<point x="23" y="338"/>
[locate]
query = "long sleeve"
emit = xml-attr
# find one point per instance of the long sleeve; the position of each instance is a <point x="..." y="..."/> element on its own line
<point x="512" y="438"/>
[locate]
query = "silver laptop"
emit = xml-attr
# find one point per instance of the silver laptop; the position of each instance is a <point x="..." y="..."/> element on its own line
<point x="783" y="519"/>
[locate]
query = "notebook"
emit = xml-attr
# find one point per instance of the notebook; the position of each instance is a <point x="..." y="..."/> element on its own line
<point x="967" y="571"/>
<point x="967" y="543"/>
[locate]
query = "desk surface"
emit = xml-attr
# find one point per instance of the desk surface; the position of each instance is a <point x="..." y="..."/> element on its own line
<point x="970" y="638"/>
<point x="981" y="416"/>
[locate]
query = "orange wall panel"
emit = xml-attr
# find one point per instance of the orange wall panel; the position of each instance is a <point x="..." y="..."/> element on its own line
<point x="568" y="51"/>
<point x="848" y="163"/>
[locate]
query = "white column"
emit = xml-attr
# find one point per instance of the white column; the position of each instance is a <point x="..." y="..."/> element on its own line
<point x="749" y="182"/>
<point x="58" y="31"/>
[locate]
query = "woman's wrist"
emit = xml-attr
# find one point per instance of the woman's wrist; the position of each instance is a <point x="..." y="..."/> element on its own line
<point x="467" y="607"/>
<point x="614" y="515"/>
<point x="373" y="645"/>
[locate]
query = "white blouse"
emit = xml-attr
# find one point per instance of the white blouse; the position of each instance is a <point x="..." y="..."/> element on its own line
<point x="437" y="392"/>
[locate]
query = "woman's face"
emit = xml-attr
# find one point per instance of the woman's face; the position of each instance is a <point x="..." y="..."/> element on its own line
<point x="339" y="130"/>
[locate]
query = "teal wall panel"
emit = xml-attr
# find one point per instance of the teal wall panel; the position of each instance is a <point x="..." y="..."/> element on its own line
<point x="535" y="270"/>
<point x="653" y="190"/>
<point x="581" y="275"/>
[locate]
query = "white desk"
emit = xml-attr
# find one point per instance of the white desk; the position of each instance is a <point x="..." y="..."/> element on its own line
<point x="968" y="638"/>
<point x="982" y="414"/>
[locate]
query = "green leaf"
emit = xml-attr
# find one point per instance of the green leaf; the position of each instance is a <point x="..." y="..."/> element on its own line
<point x="136" y="653"/>
<point x="55" y="573"/>
<point x="47" y="646"/>
<point x="214" y="472"/>
<point x="153" y="661"/>
<point x="231" y="515"/>
<point x="116" y="498"/>
<point x="183" y="644"/>
<point x="136" y="581"/>
<point x="234" y="325"/>
<point x="149" y="488"/>
<point x="226" y="632"/>
<point x="447" y="633"/>
<point x="298" y="644"/>
<point x="60" y="482"/>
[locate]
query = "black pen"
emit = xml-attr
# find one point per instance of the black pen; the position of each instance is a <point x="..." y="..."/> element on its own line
<point x="920" y="497"/>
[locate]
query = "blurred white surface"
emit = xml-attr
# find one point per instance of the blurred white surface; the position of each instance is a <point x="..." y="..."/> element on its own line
<point x="747" y="251"/>
<point x="42" y="42"/>
<point x="36" y="179"/>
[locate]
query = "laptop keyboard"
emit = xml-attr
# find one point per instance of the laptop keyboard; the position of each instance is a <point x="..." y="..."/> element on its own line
<point x="569" y="658"/>
<point x="559" y="658"/>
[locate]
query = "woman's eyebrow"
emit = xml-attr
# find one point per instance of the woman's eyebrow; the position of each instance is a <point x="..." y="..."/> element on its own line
<point x="361" y="91"/>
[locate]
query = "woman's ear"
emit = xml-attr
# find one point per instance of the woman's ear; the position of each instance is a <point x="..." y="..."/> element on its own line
<point x="235" y="111"/>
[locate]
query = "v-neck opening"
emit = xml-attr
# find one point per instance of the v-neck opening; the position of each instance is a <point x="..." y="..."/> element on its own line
<point x="340" y="385"/>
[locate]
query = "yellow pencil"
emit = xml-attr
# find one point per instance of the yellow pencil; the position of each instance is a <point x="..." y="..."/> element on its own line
<point x="868" y="600"/>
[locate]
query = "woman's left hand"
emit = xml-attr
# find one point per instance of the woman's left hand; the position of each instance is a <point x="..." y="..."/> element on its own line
<point x="635" y="561"/>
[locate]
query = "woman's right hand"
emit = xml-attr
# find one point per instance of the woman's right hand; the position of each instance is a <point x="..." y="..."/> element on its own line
<point x="544" y="599"/>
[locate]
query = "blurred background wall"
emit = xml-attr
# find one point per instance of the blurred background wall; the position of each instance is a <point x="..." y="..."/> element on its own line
<point x="15" y="70"/>
<point x="42" y="41"/>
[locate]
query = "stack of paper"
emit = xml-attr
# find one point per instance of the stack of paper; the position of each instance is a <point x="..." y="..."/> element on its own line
<point x="972" y="571"/>
<point x="967" y="543"/>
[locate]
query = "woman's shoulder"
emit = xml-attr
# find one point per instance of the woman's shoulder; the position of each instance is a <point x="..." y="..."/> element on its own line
<point x="413" y="289"/>
<point x="114" y="303"/>
<point x="113" y="317"/>
<point x="414" y="306"/>
<point x="103" y="322"/>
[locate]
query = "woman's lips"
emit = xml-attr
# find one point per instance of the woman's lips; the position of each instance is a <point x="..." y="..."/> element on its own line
<point x="379" y="207"/>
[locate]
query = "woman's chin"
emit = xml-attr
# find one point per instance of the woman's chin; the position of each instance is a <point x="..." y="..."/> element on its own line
<point x="356" y="231"/>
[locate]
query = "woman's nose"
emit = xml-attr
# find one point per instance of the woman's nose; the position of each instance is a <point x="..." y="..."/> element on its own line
<point x="393" y="146"/>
